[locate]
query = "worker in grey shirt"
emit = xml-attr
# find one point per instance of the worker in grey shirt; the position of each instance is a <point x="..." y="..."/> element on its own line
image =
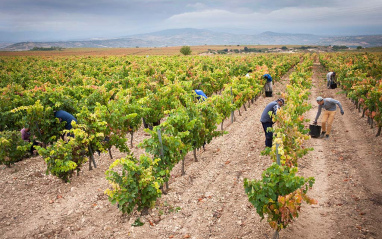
<point x="331" y="78"/>
<point x="267" y="120"/>
<point x="330" y="106"/>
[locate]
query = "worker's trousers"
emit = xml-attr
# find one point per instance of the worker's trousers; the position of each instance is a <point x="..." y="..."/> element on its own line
<point x="327" y="121"/>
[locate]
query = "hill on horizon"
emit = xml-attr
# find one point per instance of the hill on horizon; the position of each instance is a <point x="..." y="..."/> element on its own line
<point x="194" y="37"/>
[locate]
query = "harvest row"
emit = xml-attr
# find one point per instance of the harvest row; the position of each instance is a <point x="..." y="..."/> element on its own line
<point x="360" y="76"/>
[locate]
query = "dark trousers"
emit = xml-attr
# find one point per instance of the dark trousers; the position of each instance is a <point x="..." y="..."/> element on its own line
<point x="34" y="143"/>
<point x="268" y="135"/>
<point x="150" y="125"/>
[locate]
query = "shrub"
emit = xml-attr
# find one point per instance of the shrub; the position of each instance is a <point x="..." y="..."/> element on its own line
<point x="65" y="157"/>
<point x="135" y="184"/>
<point x="12" y="147"/>
<point x="185" y="50"/>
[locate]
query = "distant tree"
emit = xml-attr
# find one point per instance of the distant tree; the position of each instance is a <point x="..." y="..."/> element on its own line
<point x="359" y="47"/>
<point x="185" y="50"/>
<point x="338" y="48"/>
<point x="284" y="48"/>
<point x="303" y="47"/>
<point x="53" y="48"/>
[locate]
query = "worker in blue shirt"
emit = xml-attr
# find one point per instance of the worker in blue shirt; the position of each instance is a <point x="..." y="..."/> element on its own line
<point x="201" y="96"/>
<point x="268" y="85"/>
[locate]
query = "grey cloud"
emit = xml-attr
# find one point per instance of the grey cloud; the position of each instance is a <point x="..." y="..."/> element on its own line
<point x="23" y="18"/>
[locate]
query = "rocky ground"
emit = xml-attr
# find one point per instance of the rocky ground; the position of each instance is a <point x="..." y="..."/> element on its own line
<point x="209" y="201"/>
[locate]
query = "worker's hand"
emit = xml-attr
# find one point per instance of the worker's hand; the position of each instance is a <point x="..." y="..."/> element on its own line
<point x="315" y="122"/>
<point x="342" y="112"/>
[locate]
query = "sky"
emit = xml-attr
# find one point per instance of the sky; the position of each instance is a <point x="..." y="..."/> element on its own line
<point x="62" y="20"/>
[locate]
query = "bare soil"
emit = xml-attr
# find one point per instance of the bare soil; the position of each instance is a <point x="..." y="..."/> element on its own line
<point x="209" y="201"/>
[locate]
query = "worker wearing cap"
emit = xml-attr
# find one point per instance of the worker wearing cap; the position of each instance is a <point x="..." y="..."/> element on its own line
<point x="330" y="106"/>
<point x="267" y="120"/>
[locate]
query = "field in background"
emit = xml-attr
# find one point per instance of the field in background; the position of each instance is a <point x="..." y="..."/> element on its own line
<point x="169" y="51"/>
<point x="196" y="50"/>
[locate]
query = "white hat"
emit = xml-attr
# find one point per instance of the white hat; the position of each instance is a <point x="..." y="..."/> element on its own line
<point x="320" y="98"/>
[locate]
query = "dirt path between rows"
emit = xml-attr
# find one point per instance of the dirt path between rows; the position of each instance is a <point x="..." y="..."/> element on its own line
<point x="347" y="169"/>
<point x="209" y="201"/>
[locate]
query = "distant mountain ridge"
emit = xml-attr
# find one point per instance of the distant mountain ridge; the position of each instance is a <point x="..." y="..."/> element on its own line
<point x="193" y="37"/>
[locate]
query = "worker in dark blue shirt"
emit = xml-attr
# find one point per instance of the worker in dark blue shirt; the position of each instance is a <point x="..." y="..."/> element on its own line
<point x="62" y="115"/>
<point x="267" y="120"/>
<point x="68" y="118"/>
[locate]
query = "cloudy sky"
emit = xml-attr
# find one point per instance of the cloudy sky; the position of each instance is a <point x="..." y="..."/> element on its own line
<point x="42" y="20"/>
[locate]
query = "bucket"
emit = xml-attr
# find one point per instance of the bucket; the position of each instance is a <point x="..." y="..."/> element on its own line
<point x="268" y="93"/>
<point x="315" y="130"/>
<point x="333" y="85"/>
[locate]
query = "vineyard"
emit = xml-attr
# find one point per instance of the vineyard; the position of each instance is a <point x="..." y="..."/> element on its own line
<point x="164" y="164"/>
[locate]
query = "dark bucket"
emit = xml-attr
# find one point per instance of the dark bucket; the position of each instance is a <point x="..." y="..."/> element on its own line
<point x="315" y="130"/>
<point x="268" y="93"/>
<point x="333" y="85"/>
